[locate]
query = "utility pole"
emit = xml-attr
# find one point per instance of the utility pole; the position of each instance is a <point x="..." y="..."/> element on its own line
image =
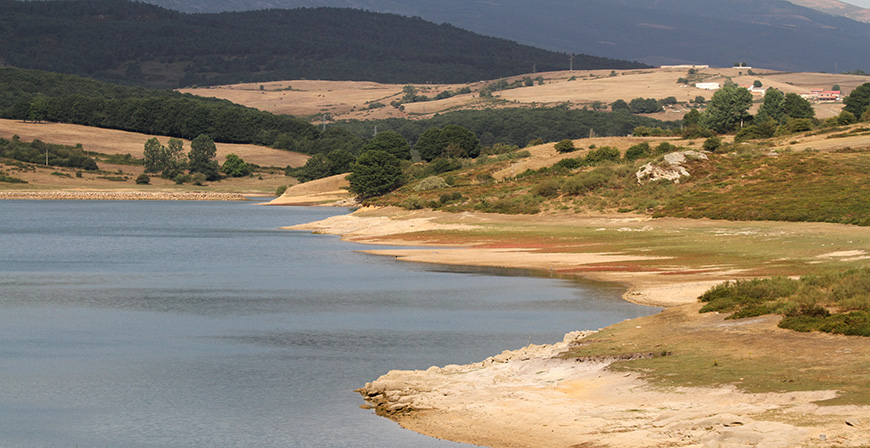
<point x="376" y="131"/>
<point x="324" y="122"/>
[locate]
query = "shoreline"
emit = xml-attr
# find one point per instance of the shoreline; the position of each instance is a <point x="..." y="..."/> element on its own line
<point x="533" y="397"/>
<point x="643" y="288"/>
<point x="121" y="196"/>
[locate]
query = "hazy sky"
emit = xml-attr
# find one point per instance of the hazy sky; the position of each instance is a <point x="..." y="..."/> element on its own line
<point x="861" y="3"/>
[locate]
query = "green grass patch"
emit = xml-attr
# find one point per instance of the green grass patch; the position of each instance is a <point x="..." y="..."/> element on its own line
<point x="832" y="303"/>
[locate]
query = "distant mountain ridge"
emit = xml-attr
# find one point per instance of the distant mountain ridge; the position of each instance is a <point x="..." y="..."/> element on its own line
<point x="771" y="33"/>
<point x="140" y="43"/>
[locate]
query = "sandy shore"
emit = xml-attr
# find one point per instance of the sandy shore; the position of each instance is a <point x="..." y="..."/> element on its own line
<point x="122" y="196"/>
<point x="532" y="397"/>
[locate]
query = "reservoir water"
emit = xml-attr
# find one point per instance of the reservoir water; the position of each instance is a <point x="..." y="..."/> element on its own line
<point x="200" y="324"/>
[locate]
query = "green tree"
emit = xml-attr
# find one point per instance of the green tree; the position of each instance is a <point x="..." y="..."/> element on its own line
<point x="858" y="101"/>
<point x="375" y="173"/>
<point x="772" y="107"/>
<point x="391" y="142"/>
<point x="38" y="110"/>
<point x="757" y="84"/>
<point x="173" y="158"/>
<point x="316" y="167"/>
<point x="467" y="144"/>
<point x="836" y="87"/>
<point x="153" y="156"/>
<point x="203" y="153"/>
<point x="234" y="166"/>
<point x="435" y="143"/>
<point x="692" y="117"/>
<point x="796" y="107"/>
<point x="340" y="161"/>
<point x="429" y="144"/>
<point x="619" y="106"/>
<point x="728" y="109"/>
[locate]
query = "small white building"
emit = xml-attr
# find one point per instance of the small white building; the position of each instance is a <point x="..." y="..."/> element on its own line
<point x="708" y="85"/>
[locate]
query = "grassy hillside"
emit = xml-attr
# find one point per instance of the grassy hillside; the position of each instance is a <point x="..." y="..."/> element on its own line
<point x="134" y="42"/>
<point x="759" y="180"/>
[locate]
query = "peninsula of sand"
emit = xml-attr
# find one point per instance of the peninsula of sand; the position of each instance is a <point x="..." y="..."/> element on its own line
<point x="536" y="396"/>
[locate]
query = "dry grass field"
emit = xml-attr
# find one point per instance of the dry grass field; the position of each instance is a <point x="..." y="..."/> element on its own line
<point x="109" y="141"/>
<point x="341" y="100"/>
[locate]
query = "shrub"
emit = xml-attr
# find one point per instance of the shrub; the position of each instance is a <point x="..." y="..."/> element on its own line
<point x="565" y="145"/>
<point x="664" y="148"/>
<point x="846" y="117"/>
<point x="588" y="181"/>
<point x="605" y="153"/>
<point x="638" y="151"/>
<point x="280" y="190"/>
<point x="431" y="183"/>
<point x="181" y="178"/>
<point x="443" y="165"/>
<point x="568" y="164"/>
<point x="713" y="143"/>
<point x="143" y="179"/>
<point x="412" y="203"/>
<point x="696" y="131"/>
<point x="198" y="178"/>
<point x="447" y="198"/>
<point x="548" y="189"/>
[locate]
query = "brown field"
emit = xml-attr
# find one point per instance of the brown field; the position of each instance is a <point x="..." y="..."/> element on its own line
<point x="109" y="141"/>
<point x="341" y="100"/>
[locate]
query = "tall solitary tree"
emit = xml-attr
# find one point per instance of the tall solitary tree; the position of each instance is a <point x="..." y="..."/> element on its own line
<point x="203" y="155"/>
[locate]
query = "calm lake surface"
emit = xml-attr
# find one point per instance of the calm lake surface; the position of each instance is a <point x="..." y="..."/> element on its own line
<point x="200" y="324"/>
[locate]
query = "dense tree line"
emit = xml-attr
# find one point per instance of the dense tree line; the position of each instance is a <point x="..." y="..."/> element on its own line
<point x="137" y="43"/>
<point x="514" y="126"/>
<point x="43" y="96"/>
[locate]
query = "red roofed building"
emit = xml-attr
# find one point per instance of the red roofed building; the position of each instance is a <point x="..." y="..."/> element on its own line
<point x="825" y="95"/>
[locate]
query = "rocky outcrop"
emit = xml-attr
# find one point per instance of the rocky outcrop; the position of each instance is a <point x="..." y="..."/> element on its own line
<point x="122" y="195"/>
<point x="671" y="167"/>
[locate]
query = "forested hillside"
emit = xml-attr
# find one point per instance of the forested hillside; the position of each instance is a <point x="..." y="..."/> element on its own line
<point x="139" y="43"/>
<point x="765" y="33"/>
<point x="43" y="96"/>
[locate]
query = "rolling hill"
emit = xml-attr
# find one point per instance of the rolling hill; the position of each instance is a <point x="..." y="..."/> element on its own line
<point x="139" y="43"/>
